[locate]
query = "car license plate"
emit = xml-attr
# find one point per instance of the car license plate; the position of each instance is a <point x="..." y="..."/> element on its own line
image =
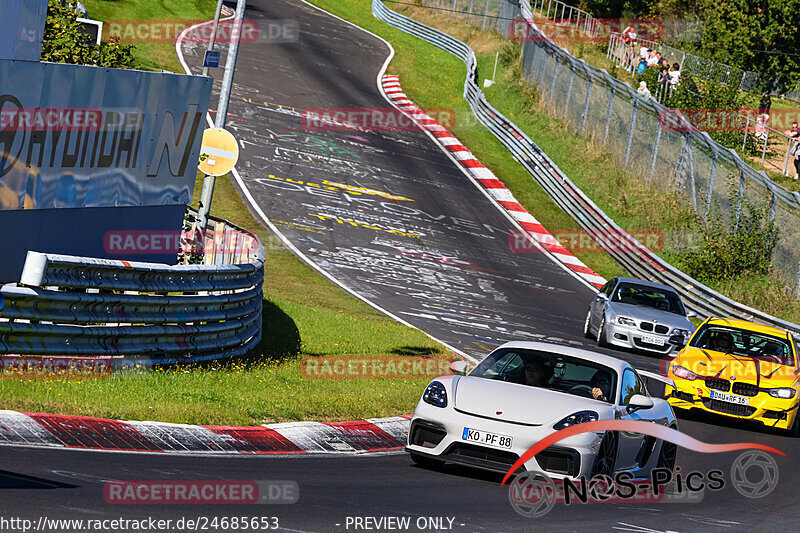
<point x="658" y="341"/>
<point x="732" y="398"/>
<point x="484" y="437"/>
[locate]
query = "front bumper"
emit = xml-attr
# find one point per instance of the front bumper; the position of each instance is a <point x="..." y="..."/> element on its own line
<point x="437" y="432"/>
<point x="768" y="410"/>
<point x="631" y="337"/>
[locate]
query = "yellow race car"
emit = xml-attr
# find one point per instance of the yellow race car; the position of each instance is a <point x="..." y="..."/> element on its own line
<point x="738" y="369"/>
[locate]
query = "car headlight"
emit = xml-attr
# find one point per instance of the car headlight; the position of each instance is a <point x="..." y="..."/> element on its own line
<point x="577" y="418"/>
<point x="435" y="394"/>
<point x="681" y="332"/>
<point x="784" y="393"/>
<point x="683" y="373"/>
<point x="625" y="321"/>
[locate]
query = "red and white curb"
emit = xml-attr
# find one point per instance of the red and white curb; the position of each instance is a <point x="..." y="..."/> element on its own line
<point x="487" y="179"/>
<point x="65" y="431"/>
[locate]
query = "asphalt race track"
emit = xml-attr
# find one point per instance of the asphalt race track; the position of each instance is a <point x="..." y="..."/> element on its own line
<point x="395" y="220"/>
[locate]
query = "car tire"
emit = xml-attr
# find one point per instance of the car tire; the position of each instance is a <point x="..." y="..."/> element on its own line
<point x="667" y="455"/>
<point x="794" y="431"/>
<point x="601" y="333"/>
<point x="587" y="330"/>
<point x="425" y="461"/>
<point x="606" y="458"/>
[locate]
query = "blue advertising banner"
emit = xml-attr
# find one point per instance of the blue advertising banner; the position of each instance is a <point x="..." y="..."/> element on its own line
<point x="21" y="28"/>
<point x="77" y="136"/>
<point x="88" y="152"/>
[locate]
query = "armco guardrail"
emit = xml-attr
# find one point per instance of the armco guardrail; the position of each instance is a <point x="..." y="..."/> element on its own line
<point x="640" y="262"/>
<point x="139" y="313"/>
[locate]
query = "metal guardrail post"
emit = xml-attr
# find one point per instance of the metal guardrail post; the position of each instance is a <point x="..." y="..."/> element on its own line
<point x="653" y="160"/>
<point x="691" y="173"/>
<point x="739" y="197"/>
<point x="485" y="14"/>
<point x="608" y="113"/>
<point x="746" y="129"/>
<point x="764" y="150"/>
<point x="569" y="86"/>
<point x="710" y="191"/>
<point x="786" y="159"/>
<point x="630" y="132"/>
<point x="555" y="76"/>
<point x="585" y="113"/>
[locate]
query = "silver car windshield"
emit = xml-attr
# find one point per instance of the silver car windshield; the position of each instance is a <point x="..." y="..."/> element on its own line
<point x="743" y="343"/>
<point x="549" y="371"/>
<point x="634" y="294"/>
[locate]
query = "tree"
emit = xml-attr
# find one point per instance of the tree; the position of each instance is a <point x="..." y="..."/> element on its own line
<point x="65" y="42"/>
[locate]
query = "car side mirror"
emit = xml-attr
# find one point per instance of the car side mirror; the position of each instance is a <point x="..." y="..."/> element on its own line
<point x="602" y="296"/>
<point x="677" y="340"/>
<point x="691" y="314"/>
<point x="459" y="368"/>
<point x="639" y="401"/>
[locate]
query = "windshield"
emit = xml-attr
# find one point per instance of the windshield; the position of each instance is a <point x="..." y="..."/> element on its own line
<point x="661" y="299"/>
<point x="550" y="371"/>
<point x="744" y="343"/>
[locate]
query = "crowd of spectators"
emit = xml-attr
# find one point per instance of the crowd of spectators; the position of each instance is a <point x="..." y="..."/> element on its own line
<point x="669" y="76"/>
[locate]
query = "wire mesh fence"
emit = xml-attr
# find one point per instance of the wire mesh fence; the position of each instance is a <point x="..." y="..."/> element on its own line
<point x="674" y="155"/>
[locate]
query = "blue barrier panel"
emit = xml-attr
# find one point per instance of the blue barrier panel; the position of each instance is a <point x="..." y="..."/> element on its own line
<point x="21" y="28"/>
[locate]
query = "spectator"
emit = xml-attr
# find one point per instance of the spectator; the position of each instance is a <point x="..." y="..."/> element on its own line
<point x="761" y="126"/>
<point x="643" y="90"/>
<point x="764" y="104"/>
<point x="644" y="52"/>
<point x="794" y="131"/>
<point x="663" y="72"/>
<point x="652" y="59"/>
<point x="675" y="75"/>
<point x="796" y="148"/>
<point x="642" y="66"/>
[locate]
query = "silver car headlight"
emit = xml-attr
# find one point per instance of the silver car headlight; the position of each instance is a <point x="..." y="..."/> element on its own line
<point x="784" y="393"/>
<point x="577" y="418"/>
<point x="623" y="320"/>
<point x="681" y="332"/>
<point x="435" y="394"/>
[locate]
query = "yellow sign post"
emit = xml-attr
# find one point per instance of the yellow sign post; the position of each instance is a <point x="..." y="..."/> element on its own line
<point x="218" y="153"/>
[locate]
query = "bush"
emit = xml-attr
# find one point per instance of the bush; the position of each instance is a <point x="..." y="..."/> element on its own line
<point x="738" y="248"/>
<point x="65" y="42"/>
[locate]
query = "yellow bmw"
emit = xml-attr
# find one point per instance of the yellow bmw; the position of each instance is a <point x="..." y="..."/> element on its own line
<point x="738" y="369"/>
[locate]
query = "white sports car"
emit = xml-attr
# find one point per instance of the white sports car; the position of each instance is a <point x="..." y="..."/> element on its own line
<point x="523" y="392"/>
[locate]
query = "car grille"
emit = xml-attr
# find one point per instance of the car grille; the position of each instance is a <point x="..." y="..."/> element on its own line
<point x="745" y="389"/>
<point x="658" y="328"/>
<point x="728" y="408"/>
<point x="481" y="456"/>
<point x="775" y="415"/>
<point x="719" y="384"/>
<point x="560" y="461"/>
